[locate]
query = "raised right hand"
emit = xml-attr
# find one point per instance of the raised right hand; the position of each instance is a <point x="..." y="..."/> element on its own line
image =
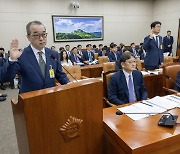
<point x="14" y="52"/>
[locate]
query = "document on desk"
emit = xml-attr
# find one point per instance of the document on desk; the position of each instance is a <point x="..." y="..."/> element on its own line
<point x="132" y="109"/>
<point x="162" y="102"/>
<point x="175" y="99"/>
<point x="149" y="108"/>
<point x="145" y="73"/>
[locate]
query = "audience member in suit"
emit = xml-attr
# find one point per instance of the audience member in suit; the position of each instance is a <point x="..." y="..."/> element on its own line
<point x="88" y="55"/>
<point x="65" y="61"/>
<point x="114" y="55"/>
<point x="141" y="52"/>
<point x="67" y="48"/>
<point x="107" y="51"/>
<point x="127" y="85"/>
<point x="35" y="66"/>
<point x="177" y="85"/>
<point x="53" y="48"/>
<point x="5" y="55"/>
<point x="75" y="57"/>
<point x="168" y="42"/>
<point x="153" y="47"/>
<point x="61" y="49"/>
<point x="79" y="48"/>
<point x="134" y="50"/>
<point x="99" y="51"/>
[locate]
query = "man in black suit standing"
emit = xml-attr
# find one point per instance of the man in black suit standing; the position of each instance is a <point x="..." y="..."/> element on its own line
<point x="168" y="42"/>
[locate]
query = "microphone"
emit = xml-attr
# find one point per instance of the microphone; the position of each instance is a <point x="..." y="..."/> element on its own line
<point x="54" y="58"/>
<point x="168" y="77"/>
<point x="166" y="120"/>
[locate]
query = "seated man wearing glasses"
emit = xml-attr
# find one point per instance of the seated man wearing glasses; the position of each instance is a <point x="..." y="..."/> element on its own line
<point x="37" y="65"/>
<point x="127" y="85"/>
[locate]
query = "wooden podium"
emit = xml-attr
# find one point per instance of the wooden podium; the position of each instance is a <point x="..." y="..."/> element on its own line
<point x="61" y="120"/>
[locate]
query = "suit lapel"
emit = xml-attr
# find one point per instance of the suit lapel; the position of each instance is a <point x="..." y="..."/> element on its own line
<point x="155" y="42"/>
<point x="33" y="60"/>
<point x="135" y="84"/>
<point x="123" y="78"/>
<point x="48" y="63"/>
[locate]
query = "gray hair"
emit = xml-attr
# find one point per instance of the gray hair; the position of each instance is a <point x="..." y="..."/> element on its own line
<point x="31" y="23"/>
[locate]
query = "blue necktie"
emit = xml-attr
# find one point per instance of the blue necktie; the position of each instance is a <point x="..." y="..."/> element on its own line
<point x="90" y="58"/>
<point x="130" y="89"/>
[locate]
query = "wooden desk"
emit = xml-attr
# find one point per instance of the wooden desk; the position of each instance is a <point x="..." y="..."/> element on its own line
<point x="154" y="85"/>
<point x="92" y="71"/>
<point x="122" y="135"/>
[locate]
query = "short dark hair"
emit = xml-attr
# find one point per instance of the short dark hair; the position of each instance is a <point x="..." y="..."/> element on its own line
<point x="113" y="45"/>
<point x="100" y="45"/>
<point x="31" y="23"/>
<point x="125" y="56"/>
<point x="94" y="46"/>
<point x="132" y="43"/>
<point x="2" y="49"/>
<point x="73" y="48"/>
<point x="61" y="48"/>
<point x="88" y="45"/>
<point x="79" y="45"/>
<point x="67" y="45"/>
<point x="155" y="23"/>
<point x="168" y="31"/>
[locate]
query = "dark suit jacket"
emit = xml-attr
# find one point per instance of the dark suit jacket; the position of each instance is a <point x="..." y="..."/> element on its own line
<point x="166" y="42"/>
<point x="118" y="90"/>
<point x="136" y="52"/>
<point x="72" y="58"/>
<point x="112" y="57"/>
<point x="86" y="57"/>
<point x="154" y="54"/>
<point x="31" y="76"/>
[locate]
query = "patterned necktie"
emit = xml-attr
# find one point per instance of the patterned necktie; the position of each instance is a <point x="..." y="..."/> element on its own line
<point x="130" y="89"/>
<point x="42" y="63"/>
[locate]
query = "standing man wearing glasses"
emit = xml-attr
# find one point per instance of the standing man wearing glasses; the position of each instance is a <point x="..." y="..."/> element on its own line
<point x="36" y="68"/>
<point x="127" y="85"/>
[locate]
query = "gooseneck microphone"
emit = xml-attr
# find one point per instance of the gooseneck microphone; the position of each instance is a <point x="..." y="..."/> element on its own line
<point x="168" y="77"/>
<point x="166" y="120"/>
<point x="54" y="58"/>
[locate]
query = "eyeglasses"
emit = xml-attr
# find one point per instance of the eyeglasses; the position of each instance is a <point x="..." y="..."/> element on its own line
<point x="38" y="36"/>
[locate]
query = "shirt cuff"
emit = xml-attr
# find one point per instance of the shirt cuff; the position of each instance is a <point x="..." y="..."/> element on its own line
<point x="12" y="60"/>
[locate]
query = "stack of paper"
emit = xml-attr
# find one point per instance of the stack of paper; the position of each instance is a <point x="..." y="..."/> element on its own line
<point x="151" y="107"/>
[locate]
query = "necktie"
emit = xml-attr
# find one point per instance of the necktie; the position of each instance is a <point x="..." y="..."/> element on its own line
<point x="90" y="58"/>
<point x="157" y="42"/>
<point x="130" y="89"/>
<point x="42" y="63"/>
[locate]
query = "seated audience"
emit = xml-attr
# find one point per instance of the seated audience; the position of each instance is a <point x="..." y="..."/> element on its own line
<point x="64" y="59"/>
<point x="99" y="51"/>
<point x="67" y="48"/>
<point x="88" y="55"/>
<point x="133" y="49"/>
<point x="75" y="57"/>
<point x="61" y="49"/>
<point x="141" y="52"/>
<point x="53" y="48"/>
<point x="127" y="85"/>
<point x="114" y="55"/>
<point x="79" y="48"/>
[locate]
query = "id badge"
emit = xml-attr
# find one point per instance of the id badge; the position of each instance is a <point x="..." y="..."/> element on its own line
<point x="51" y="72"/>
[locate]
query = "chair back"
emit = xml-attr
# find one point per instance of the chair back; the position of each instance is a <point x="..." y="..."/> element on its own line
<point x="109" y="66"/>
<point x="139" y="64"/>
<point x="96" y="56"/>
<point x="102" y="59"/>
<point x="74" y="70"/>
<point x="168" y="60"/>
<point x="106" y="78"/>
<point x="170" y="70"/>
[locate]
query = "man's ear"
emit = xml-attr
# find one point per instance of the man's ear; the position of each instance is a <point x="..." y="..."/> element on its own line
<point x="122" y="64"/>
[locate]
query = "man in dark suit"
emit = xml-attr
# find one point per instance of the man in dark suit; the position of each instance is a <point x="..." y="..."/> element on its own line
<point x="154" y="48"/>
<point x="114" y="55"/>
<point x="88" y="55"/>
<point x="177" y="85"/>
<point x="134" y="50"/>
<point x="35" y="66"/>
<point x="99" y="51"/>
<point x="75" y="57"/>
<point x="168" y="42"/>
<point x="127" y="85"/>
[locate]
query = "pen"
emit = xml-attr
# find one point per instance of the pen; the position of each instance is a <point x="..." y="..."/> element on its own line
<point x="146" y="104"/>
